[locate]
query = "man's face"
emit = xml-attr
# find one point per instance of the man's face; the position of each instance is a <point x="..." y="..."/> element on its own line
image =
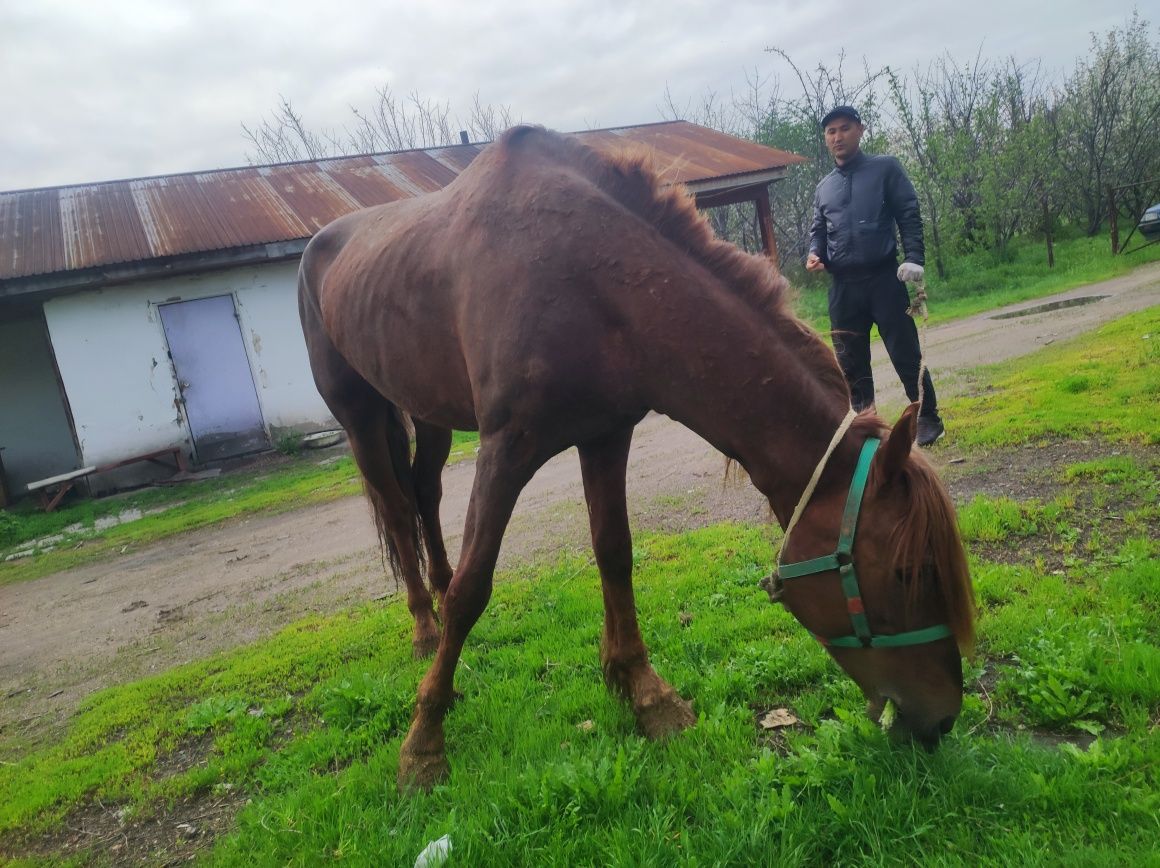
<point x="843" y="135"/>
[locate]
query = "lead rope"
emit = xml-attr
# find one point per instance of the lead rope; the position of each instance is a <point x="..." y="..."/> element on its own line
<point x="918" y="309"/>
<point x="813" y="483"/>
<point x="771" y="584"/>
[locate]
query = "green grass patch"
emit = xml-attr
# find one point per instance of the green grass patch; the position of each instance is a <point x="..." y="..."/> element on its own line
<point x="981" y="281"/>
<point x="1103" y="384"/>
<point x="548" y="768"/>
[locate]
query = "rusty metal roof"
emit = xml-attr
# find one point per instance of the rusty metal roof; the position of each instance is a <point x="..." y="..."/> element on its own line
<point x="68" y="229"/>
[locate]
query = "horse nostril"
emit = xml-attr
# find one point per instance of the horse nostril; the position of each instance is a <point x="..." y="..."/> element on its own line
<point x="946" y="724"/>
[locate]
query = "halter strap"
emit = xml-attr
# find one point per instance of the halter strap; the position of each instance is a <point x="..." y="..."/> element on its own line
<point x="842" y="560"/>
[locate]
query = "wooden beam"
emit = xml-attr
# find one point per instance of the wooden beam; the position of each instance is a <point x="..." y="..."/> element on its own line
<point x="729" y="197"/>
<point x="759" y="196"/>
<point x="765" y="223"/>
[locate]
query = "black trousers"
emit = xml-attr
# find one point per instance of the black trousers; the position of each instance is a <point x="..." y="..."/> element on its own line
<point x="876" y="296"/>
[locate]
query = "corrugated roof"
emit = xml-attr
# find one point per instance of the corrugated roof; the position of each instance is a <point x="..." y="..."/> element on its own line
<point x="63" y="229"/>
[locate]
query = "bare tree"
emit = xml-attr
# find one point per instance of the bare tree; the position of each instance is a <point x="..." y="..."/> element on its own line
<point x="736" y="223"/>
<point x="392" y="123"/>
<point x="1109" y="112"/>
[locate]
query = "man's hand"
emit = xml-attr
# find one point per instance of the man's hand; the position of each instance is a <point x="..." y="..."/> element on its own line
<point x="814" y="263"/>
<point x="908" y="272"/>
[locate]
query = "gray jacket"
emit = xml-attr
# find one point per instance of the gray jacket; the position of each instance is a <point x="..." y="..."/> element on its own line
<point x="855" y="209"/>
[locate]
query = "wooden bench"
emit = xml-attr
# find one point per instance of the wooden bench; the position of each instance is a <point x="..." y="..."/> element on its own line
<point x="64" y="482"/>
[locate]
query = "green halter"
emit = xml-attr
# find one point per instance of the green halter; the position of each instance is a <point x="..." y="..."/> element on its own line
<point x="842" y="560"/>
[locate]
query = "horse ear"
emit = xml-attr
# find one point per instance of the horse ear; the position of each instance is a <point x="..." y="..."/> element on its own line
<point x="898" y="445"/>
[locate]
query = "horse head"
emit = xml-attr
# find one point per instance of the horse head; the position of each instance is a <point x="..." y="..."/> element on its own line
<point x="895" y="608"/>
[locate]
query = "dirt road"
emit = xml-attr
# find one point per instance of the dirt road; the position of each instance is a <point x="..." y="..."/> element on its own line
<point x="67" y="634"/>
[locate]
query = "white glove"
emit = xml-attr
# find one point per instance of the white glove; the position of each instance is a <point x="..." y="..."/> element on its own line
<point x="908" y="272"/>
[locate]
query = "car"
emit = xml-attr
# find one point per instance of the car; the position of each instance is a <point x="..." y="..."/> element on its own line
<point x="1149" y="224"/>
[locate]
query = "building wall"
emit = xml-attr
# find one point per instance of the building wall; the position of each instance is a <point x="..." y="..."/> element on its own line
<point x="272" y="332"/>
<point x="113" y="358"/>
<point x="34" y="428"/>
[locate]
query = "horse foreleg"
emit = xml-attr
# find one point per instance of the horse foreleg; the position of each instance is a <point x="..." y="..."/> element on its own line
<point x="498" y="481"/>
<point x="432" y="446"/>
<point x="659" y="710"/>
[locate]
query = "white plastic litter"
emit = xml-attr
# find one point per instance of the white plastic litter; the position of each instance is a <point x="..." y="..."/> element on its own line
<point x="887" y="719"/>
<point x="435" y="853"/>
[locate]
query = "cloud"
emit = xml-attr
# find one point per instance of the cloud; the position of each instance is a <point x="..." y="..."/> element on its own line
<point x="120" y="89"/>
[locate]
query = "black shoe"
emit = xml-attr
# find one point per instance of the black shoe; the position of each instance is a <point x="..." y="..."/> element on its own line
<point x="930" y="429"/>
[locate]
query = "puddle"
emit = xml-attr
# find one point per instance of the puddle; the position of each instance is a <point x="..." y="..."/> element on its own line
<point x="1050" y="306"/>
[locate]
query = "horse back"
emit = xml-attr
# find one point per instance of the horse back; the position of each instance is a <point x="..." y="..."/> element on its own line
<point x="508" y="294"/>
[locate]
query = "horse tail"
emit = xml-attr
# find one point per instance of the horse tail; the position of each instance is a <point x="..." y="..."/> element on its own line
<point x="404" y="518"/>
<point x="379" y="433"/>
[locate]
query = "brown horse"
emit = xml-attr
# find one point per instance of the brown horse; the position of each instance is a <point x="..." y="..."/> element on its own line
<point x="550" y="297"/>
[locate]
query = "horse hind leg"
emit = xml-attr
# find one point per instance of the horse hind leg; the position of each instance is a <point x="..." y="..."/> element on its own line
<point x="432" y="446"/>
<point x="380" y="443"/>
<point x="658" y="708"/>
<point x="381" y="447"/>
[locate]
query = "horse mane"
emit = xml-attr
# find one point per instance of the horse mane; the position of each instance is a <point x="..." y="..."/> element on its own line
<point x="631" y="178"/>
<point x="926" y="546"/>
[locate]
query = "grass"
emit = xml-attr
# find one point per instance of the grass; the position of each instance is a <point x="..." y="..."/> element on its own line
<point x="1104" y="384"/>
<point x="1055" y="759"/>
<point x="982" y="281"/>
<point x="547" y="767"/>
<point x="295" y="482"/>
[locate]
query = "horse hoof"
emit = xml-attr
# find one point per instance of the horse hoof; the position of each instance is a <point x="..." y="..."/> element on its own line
<point x="422" y="771"/>
<point x="425" y="646"/>
<point x="668" y="715"/>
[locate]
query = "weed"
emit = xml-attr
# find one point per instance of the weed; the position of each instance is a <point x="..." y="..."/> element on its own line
<point x="289" y="444"/>
<point x="12" y="529"/>
<point x="214" y="711"/>
<point x="1055" y="696"/>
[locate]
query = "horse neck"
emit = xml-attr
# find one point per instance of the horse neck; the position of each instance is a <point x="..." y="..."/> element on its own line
<point x="751" y="384"/>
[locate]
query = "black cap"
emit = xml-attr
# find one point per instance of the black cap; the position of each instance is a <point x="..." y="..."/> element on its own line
<point x="842" y="111"/>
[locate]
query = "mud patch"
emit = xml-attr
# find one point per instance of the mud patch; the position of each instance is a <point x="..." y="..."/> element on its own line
<point x="1045" y="738"/>
<point x="110" y="834"/>
<point x="1039" y="473"/>
<point x="1050" y="306"/>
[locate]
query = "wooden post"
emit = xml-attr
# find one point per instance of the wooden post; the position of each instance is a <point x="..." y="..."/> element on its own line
<point x="1047" y="234"/>
<point x="1113" y="220"/>
<point x="765" y="223"/>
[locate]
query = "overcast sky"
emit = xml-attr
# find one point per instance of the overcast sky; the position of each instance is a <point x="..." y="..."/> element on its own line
<point x="123" y="88"/>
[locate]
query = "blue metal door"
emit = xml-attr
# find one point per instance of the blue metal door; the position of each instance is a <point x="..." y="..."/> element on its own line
<point x="214" y="377"/>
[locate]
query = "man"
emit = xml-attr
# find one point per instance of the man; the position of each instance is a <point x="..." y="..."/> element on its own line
<point x="855" y="209"/>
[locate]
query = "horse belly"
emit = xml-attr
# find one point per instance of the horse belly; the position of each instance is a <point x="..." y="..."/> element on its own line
<point x="413" y="359"/>
<point x="427" y="381"/>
